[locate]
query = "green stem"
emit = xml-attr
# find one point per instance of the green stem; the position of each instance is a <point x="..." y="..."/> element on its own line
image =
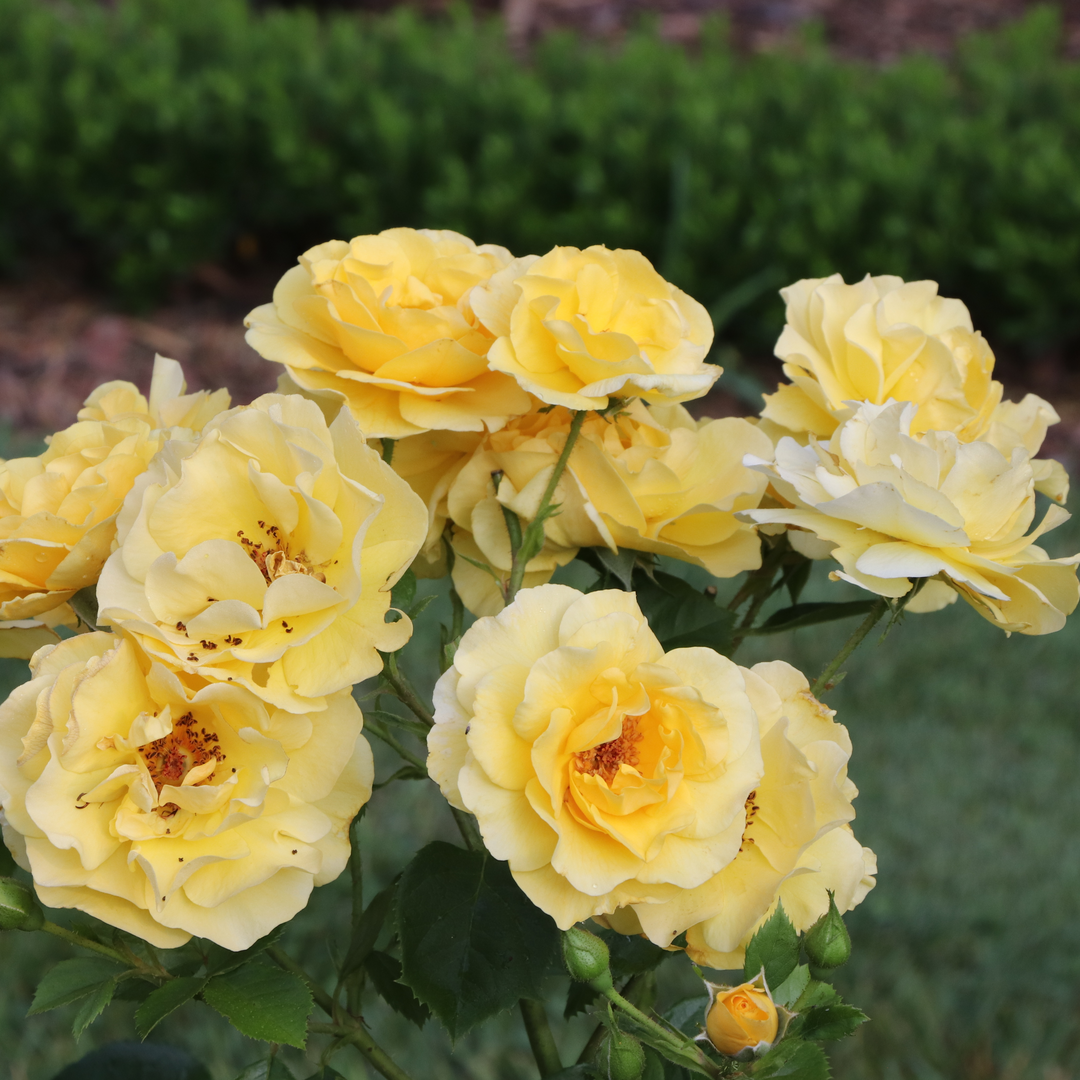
<point x="284" y="960"/>
<point x="588" y="1051"/>
<point x="72" y="938"/>
<point x="533" y="539"/>
<point x="821" y="683"/>
<point x="387" y="450"/>
<point x="373" y="726"/>
<point x="403" y="690"/>
<point x="467" y="827"/>
<point x="540" y="1038"/>
<point x="362" y="1040"/>
<point x="762" y="585"/>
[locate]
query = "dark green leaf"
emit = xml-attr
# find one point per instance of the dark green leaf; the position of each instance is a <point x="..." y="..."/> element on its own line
<point x="368" y="929"/>
<point x="327" y="1072"/>
<point x="134" y="990"/>
<point x="273" y="1068"/>
<point x="688" y="1015"/>
<point x="796" y="579"/>
<point x="262" y="1002"/>
<point x="830" y="1021"/>
<point x="71" y="980"/>
<point x="472" y="943"/>
<point x="631" y="955"/>
<point x="816" y="994"/>
<point x="619" y="565"/>
<point x="385" y="971"/>
<point x="219" y="960"/>
<point x="775" y="947"/>
<point x="790" y="989"/>
<point x="404" y="592"/>
<point x="657" y="1067"/>
<point x="7" y="863"/>
<point x="165" y="1000"/>
<point x="680" y="616"/>
<point x="578" y="998"/>
<point x="135" y="1061"/>
<point x="811" y="614"/>
<point x="793" y="1059"/>
<point x="93" y="1006"/>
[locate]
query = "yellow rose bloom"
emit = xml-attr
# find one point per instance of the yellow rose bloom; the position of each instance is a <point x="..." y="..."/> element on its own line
<point x="648" y="479"/>
<point x="882" y="338"/>
<point x="892" y="506"/>
<point x="384" y="320"/>
<point x="796" y="845"/>
<point x="605" y="771"/>
<point x="265" y="553"/>
<point x="58" y="510"/>
<point x="741" y="1018"/>
<point x="168" y="806"/>
<point x="576" y="327"/>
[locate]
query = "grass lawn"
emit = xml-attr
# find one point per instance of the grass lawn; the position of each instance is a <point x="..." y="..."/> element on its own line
<point x="966" y="956"/>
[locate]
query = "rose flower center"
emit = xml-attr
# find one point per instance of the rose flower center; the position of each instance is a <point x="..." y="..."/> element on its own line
<point x="606" y="758"/>
<point x="171" y="758"/>
<point x="272" y="557"/>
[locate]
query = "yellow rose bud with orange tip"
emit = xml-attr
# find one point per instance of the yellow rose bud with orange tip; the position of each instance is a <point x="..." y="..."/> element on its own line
<point x="385" y="321"/>
<point x="577" y="328"/>
<point x="741" y="1020"/>
<point x="265" y="554"/>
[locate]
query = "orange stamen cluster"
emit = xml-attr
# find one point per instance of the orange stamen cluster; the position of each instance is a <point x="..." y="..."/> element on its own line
<point x="751" y="812"/>
<point x="169" y="759"/>
<point x="259" y="553"/>
<point x="606" y="758"/>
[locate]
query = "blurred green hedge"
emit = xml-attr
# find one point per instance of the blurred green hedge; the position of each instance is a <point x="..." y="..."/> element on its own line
<point x="141" y="140"/>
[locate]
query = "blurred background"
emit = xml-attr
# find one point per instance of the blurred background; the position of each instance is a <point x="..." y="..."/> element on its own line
<point x="164" y="162"/>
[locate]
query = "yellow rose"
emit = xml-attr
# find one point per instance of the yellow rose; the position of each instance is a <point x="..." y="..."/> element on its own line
<point x="58" y="510"/>
<point x="894" y="506"/>
<point x="265" y="553"/>
<point x="385" y="321"/>
<point x="741" y="1018"/>
<point x="605" y="771"/>
<point x="169" y="806"/>
<point x="796" y="845"/>
<point x="882" y="338"/>
<point x="649" y="479"/>
<point x="575" y="327"/>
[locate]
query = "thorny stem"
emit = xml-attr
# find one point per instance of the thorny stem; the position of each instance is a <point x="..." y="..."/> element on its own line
<point x="822" y="682"/>
<point x="467" y="827"/>
<point x="74" y="938"/>
<point x="533" y="539"/>
<point x="588" y="1051"/>
<point x="540" y="1038"/>
<point x="362" y="1040"/>
<point x="404" y="691"/>
<point x="761" y="585"/>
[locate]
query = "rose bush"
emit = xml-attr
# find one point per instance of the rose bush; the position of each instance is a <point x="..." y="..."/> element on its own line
<point x="384" y="321"/>
<point x="265" y="553"/>
<point x="169" y="806"/>
<point x="576" y="328"/>
<point x="891" y="506"/>
<point x="883" y="338"/>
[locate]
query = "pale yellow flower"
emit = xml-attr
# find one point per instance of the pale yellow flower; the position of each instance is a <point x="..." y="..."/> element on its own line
<point x="576" y="327"/>
<point x="647" y="479"/>
<point x="605" y="771"/>
<point x="796" y="844"/>
<point x="58" y="510"/>
<point x="264" y="554"/>
<point x="168" y="806"/>
<point x="891" y="507"/>
<point x="882" y="338"/>
<point x="384" y="320"/>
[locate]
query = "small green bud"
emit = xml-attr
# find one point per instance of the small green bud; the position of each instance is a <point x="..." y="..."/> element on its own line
<point x="620" y="1057"/>
<point x="827" y="942"/>
<point x="587" y="958"/>
<point x="19" y="909"/>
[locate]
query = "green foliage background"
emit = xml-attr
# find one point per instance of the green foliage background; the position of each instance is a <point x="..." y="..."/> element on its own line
<point x="966" y="956"/>
<point x="145" y="137"/>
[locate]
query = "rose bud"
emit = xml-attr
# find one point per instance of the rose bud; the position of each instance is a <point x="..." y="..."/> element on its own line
<point x="620" y="1057"/>
<point x="586" y="957"/>
<point x="19" y="909"/>
<point x="741" y="1018"/>
<point x="827" y="942"/>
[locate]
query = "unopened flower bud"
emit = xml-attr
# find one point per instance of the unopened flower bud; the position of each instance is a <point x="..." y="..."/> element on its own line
<point x="19" y="909"/>
<point x="620" y="1057"/>
<point x="587" y="958"/>
<point x="741" y="1018"/>
<point x="827" y="942"/>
